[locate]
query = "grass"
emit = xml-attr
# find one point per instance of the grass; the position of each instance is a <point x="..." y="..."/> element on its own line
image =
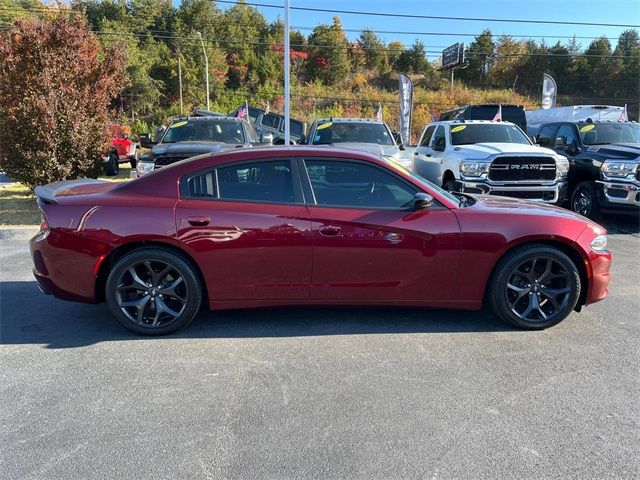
<point x="18" y="204"/>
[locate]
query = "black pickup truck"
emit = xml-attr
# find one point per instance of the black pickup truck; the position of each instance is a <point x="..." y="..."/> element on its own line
<point x="605" y="163"/>
<point x="273" y="123"/>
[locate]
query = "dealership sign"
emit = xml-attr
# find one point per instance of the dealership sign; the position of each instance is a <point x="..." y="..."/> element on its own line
<point x="453" y="56"/>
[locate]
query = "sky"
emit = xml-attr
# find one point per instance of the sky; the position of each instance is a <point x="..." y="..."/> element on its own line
<point x="598" y="11"/>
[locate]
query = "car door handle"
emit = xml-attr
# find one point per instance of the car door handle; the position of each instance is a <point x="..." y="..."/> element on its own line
<point x="199" y="221"/>
<point x="330" y="231"/>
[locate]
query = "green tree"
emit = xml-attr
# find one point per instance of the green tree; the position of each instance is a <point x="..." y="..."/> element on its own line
<point x="478" y="57"/>
<point x="54" y="126"/>
<point x="598" y="57"/>
<point x="328" y="56"/>
<point x="373" y="51"/>
<point x="394" y="49"/>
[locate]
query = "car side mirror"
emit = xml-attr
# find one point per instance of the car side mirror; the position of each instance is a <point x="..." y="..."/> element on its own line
<point x="401" y="147"/>
<point x="438" y="146"/>
<point x="422" y="200"/>
<point x="266" y="138"/>
<point x="145" y="140"/>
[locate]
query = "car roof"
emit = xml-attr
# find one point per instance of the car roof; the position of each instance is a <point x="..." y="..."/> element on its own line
<point x="349" y="120"/>
<point x="469" y="122"/>
<point x="204" y="118"/>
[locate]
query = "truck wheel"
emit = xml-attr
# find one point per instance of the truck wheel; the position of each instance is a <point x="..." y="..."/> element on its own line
<point x="584" y="200"/>
<point x="112" y="167"/>
<point x="449" y="185"/>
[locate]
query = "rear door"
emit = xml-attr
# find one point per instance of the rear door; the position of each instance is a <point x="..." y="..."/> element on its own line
<point x="368" y="245"/>
<point x="248" y="227"/>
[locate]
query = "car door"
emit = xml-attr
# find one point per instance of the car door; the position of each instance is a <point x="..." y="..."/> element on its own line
<point x="427" y="160"/>
<point x="247" y="225"/>
<point x="368" y="245"/>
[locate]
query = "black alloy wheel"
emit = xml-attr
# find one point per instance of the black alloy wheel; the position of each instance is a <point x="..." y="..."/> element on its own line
<point x="153" y="291"/>
<point x="534" y="287"/>
<point x="584" y="200"/>
<point x="112" y="167"/>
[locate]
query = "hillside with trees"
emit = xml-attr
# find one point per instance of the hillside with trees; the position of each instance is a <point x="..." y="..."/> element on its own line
<point x="330" y="74"/>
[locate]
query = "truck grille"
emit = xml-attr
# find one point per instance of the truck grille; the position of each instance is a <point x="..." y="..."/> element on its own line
<point x="528" y="195"/>
<point x="518" y="169"/>
<point x="164" y="160"/>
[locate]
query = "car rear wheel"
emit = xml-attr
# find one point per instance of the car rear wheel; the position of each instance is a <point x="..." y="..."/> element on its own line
<point x="112" y="167"/>
<point x="584" y="200"/>
<point x="534" y="287"/>
<point x="153" y="291"/>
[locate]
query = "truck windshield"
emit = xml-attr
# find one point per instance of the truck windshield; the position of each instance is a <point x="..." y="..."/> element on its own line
<point x="605" y="133"/>
<point x="209" y="130"/>
<point x="354" y="132"/>
<point x="487" y="133"/>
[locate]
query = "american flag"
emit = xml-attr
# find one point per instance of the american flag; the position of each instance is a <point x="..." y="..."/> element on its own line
<point x="498" y="117"/>
<point x="244" y="111"/>
<point x="379" y="112"/>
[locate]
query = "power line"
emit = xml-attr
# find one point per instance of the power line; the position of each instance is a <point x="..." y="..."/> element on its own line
<point x="432" y="17"/>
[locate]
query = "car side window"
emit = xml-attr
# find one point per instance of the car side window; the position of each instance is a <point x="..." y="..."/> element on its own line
<point x="566" y="136"/>
<point x="439" y="138"/>
<point x="545" y="136"/>
<point x="270" y="120"/>
<point x="358" y="185"/>
<point x="426" y="137"/>
<point x="202" y="186"/>
<point x="270" y="181"/>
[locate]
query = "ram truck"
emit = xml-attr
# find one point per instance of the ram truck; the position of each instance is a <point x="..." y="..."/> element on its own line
<point x="493" y="158"/>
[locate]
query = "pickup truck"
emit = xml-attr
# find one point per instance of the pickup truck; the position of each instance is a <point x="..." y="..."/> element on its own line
<point x="487" y="157"/>
<point x="605" y="163"/>
<point x="270" y="122"/>
<point x="189" y="136"/>
<point x="359" y="134"/>
<point x="122" y="150"/>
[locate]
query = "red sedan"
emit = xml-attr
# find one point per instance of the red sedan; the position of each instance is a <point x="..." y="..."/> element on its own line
<point x="309" y="226"/>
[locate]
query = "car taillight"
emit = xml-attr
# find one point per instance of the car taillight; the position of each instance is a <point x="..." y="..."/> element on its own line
<point x="44" y="228"/>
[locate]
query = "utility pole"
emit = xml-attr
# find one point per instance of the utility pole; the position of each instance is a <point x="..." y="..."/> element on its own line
<point x="287" y="79"/>
<point x="206" y="66"/>
<point x="452" y="70"/>
<point x="180" y="82"/>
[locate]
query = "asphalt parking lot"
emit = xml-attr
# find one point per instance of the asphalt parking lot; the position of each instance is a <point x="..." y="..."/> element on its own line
<point x="319" y="393"/>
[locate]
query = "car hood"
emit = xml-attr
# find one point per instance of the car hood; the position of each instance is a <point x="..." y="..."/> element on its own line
<point x="484" y="150"/>
<point x="190" y="148"/>
<point x="621" y="151"/>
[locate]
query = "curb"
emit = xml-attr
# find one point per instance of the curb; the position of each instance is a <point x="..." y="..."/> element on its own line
<point x="18" y="232"/>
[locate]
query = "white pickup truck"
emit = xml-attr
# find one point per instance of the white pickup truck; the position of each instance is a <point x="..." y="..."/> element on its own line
<point x="486" y="157"/>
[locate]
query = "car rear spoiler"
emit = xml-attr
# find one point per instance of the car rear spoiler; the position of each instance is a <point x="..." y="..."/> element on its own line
<point x="47" y="193"/>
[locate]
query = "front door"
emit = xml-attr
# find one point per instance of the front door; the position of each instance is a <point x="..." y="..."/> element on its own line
<point x="369" y="246"/>
<point x="249" y="229"/>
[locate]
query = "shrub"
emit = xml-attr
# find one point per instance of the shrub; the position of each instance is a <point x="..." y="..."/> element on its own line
<point x="56" y="84"/>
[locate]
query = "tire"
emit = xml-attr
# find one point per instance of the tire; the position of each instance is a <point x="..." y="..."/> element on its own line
<point x="450" y="185"/>
<point x="584" y="200"/>
<point x="172" y="301"/>
<point x="538" y="299"/>
<point x="112" y="167"/>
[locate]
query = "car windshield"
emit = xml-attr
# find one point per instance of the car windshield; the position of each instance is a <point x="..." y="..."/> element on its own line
<point x="604" y="133"/>
<point x="487" y="133"/>
<point x="209" y="130"/>
<point x="352" y="132"/>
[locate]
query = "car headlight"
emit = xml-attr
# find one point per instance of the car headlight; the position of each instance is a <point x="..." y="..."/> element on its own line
<point x="618" y="169"/>
<point x="563" y="166"/>
<point x="599" y="244"/>
<point x="145" y="167"/>
<point x="474" y="169"/>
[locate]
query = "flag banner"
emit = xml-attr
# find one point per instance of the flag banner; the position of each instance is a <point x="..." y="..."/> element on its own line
<point x="406" y="107"/>
<point x="379" y="112"/>
<point x="244" y="111"/>
<point x="498" y="116"/>
<point x="549" y="92"/>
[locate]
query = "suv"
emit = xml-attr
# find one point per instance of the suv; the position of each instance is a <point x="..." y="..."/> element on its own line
<point x="486" y="157"/>
<point x="194" y="135"/>
<point x="123" y="150"/>
<point x="269" y="122"/>
<point x="360" y="134"/>
<point x="605" y="163"/>
<point x="487" y="111"/>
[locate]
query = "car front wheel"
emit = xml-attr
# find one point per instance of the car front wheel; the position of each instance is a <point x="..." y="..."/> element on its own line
<point x="153" y="291"/>
<point x="534" y="287"/>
